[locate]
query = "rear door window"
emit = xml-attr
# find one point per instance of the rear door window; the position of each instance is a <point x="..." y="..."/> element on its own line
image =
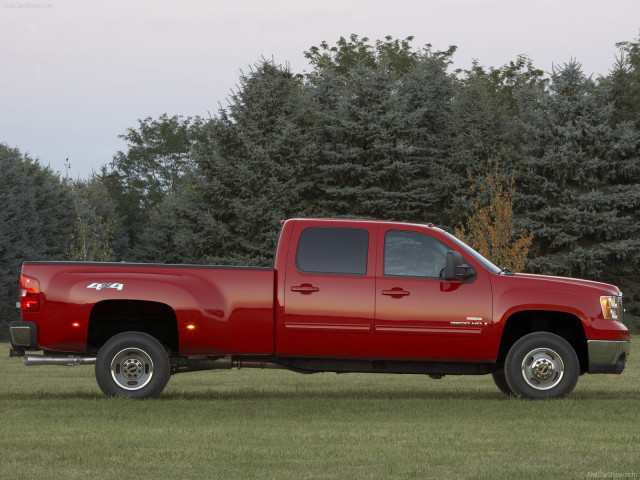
<point x="333" y="251"/>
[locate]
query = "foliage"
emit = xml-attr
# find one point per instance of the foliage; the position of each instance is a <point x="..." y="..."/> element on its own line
<point x="579" y="188"/>
<point x="254" y="169"/>
<point x="624" y="83"/>
<point x="394" y="56"/>
<point x="36" y="221"/>
<point x="385" y="128"/>
<point x="94" y="235"/>
<point x="490" y="229"/>
<point x="157" y="157"/>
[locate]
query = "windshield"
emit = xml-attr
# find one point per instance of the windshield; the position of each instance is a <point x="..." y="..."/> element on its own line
<point x="486" y="263"/>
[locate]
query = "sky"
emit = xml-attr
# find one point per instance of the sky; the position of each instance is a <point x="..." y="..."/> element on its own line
<point x="77" y="74"/>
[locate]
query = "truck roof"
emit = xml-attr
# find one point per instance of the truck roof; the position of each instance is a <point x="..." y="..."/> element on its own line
<point x="360" y="220"/>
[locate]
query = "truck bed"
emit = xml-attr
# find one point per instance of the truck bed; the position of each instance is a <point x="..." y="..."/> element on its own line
<point x="219" y="309"/>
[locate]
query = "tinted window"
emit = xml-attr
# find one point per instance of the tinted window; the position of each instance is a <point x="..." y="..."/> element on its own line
<point x="341" y="251"/>
<point x="412" y="254"/>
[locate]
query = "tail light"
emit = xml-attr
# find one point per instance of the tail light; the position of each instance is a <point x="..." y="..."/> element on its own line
<point x="29" y="294"/>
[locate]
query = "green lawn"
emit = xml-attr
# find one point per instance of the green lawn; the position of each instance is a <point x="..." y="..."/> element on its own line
<point x="245" y="424"/>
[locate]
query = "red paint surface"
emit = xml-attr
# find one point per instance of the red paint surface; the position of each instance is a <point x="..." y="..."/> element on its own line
<point x="290" y="313"/>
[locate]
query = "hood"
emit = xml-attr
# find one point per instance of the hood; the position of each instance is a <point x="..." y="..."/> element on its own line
<point x="604" y="288"/>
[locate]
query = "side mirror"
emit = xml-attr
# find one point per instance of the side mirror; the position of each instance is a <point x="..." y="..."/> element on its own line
<point x="456" y="269"/>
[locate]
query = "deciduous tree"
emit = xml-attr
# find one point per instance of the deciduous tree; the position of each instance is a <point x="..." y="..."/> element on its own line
<point x="490" y="229"/>
<point x="158" y="153"/>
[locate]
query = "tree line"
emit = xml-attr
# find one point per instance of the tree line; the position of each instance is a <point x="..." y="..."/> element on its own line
<point x="512" y="159"/>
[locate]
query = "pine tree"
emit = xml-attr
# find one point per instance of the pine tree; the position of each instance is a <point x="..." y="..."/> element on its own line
<point x="385" y="110"/>
<point x="624" y="83"/>
<point x="36" y="222"/>
<point x="254" y="169"/>
<point x="363" y="165"/>
<point x="579" y="192"/>
<point x="427" y="130"/>
<point x="487" y="106"/>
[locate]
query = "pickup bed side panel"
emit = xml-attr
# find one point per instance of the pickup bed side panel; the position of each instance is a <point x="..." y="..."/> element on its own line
<point x="218" y="310"/>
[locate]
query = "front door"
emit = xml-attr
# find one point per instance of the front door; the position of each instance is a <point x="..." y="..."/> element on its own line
<point x="418" y="313"/>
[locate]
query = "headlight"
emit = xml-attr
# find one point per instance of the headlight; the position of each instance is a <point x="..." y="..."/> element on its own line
<point x="611" y="307"/>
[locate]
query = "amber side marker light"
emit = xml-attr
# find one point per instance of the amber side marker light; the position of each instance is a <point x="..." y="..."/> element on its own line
<point x="191" y="327"/>
<point x="75" y="324"/>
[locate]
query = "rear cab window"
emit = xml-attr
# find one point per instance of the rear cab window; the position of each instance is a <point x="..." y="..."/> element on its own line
<point x="333" y="251"/>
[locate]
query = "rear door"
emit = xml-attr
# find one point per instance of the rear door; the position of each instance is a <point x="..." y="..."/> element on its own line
<point x="330" y="290"/>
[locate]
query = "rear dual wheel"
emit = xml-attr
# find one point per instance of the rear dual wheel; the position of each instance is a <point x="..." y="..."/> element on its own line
<point x="132" y="364"/>
<point x="541" y="365"/>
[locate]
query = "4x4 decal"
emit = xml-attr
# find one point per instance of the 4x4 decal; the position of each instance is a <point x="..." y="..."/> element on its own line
<point x="100" y="286"/>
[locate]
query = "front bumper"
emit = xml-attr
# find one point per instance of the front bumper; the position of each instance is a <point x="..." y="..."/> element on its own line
<point x="24" y="336"/>
<point x="607" y="356"/>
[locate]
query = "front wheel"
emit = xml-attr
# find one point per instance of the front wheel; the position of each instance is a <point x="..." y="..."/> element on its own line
<point x="132" y="364"/>
<point x="541" y="365"/>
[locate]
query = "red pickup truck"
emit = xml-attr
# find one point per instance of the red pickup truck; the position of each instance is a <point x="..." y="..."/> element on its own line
<point x="344" y="296"/>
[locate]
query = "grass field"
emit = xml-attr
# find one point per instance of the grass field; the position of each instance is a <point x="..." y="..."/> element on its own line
<point x="55" y="423"/>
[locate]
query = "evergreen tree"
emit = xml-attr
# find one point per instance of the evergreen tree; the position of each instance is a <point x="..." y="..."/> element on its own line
<point x="254" y="169"/>
<point x="396" y="55"/>
<point x="385" y="110"/>
<point x="487" y="107"/>
<point x="183" y="229"/>
<point x="36" y="222"/>
<point x="362" y="162"/>
<point x="424" y="105"/>
<point x="624" y="83"/>
<point x="579" y="190"/>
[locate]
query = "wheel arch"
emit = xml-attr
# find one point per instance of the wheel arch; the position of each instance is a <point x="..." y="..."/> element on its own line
<point x="563" y="324"/>
<point x="112" y="317"/>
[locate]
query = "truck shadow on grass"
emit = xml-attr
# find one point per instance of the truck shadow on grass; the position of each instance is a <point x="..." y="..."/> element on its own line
<point x="345" y="395"/>
<point x="253" y="395"/>
<point x="383" y="395"/>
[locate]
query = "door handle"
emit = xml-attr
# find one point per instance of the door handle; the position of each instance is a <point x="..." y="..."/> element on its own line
<point x="305" y="288"/>
<point x="396" y="292"/>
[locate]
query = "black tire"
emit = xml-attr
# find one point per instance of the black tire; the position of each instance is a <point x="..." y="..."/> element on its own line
<point x="501" y="382"/>
<point x="132" y="364"/>
<point x="541" y="365"/>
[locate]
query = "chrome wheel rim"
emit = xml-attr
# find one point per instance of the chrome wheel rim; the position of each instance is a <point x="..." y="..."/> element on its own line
<point x="542" y="368"/>
<point x="132" y="368"/>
